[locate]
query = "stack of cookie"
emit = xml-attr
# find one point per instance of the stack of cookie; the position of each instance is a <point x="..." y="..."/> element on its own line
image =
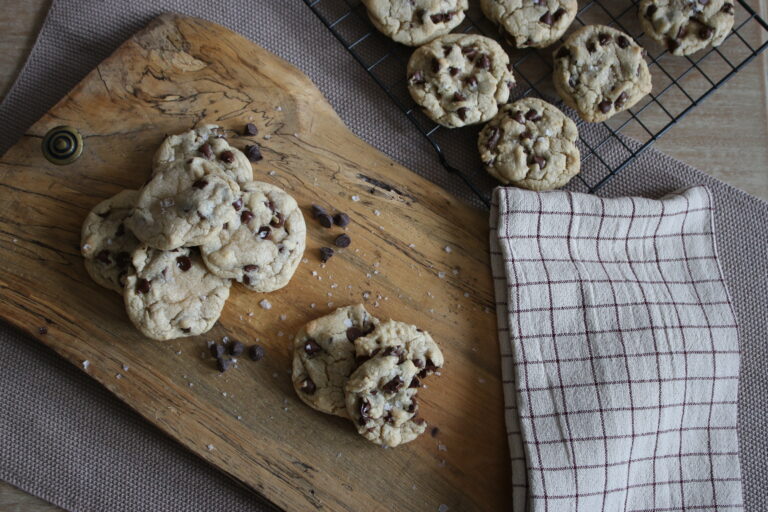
<point x="350" y="364"/>
<point x="173" y="247"/>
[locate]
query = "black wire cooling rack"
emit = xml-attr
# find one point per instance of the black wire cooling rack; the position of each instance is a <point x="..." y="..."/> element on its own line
<point x="680" y="84"/>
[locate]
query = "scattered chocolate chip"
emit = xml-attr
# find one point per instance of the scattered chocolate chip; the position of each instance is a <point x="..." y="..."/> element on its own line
<point x="650" y="11"/>
<point x="727" y="8"/>
<point x="311" y="347"/>
<point x="484" y="62"/>
<point x="253" y="153"/>
<point x="216" y="350"/>
<point x="462" y="113"/>
<point x="605" y="106"/>
<point x="325" y="254"/>
<point x="546" y="18"/>
<point x="471" y="82"/>
<point x="250" y="130"/>
<point x="434" y="432"/>
<point x="236" y="348"/>
<point x="447" y="50"/>
<point x="415" y="383"/>
<point x="397" y="352"/>
<point x="389" y="418"/>
<point x="120" y="231"/>
<point x="706" y="32"/>
<point x="227" y="157"/>
<point x="256" y="353"/>
<point x="412" y="406"/>
<point x="562" y="53"/>
<point x="525" y="135"/>
<point x="277" y="220"/>
<point x="200" y="184"/>
<point x="540" y="161"/>
<point x="572" y="82"/>
<point x="264" y="233"/>
<point x="533" y="116"/>
<point x="417" y="78"/>
<point x="591" y="47"/>
<point x="559" y="14"/>
<point x="341" y="219"/>
<point x="342" y="240"/>
<point x="103" y="257"/>
<point x="470" y="52"/>
<point x="672" y="45"/>
<point x="622" y="41"/>
<point x="123" y="259"/>
<point x="307" y="386"/>
<point x="353" y="333"/>
<point x="325" y="220"/>
<point x="206" y="150"/>
<point x="418" y="363"/>
<point x="246" y="217"/>
<point x="42" y="330"/>
<point x="250" y="268"/>
<point x="246" y="280"/>
<point x="364" y="409"/>
<point x="493" y="137"/>
<point x="184" y="263"/>
<point x="517" y="116"/>
<point x="418" y="421"/>
<point x="681" y="32"/>
<point x="457" y="96"/>
<point x="143" y="286"/>
<point x="223" y="364"/>
<point x="435" y="65"/>
<point x="621" y="100"/>
<point x="393" y="385"/>
<point x="317" y="210"/>
<point x="453" y="71"/>
<point x="604" y="38"/>
<point x="238" y="204"/>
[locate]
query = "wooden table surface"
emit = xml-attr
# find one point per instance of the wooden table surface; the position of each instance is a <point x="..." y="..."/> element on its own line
<point x="708" y="138"/>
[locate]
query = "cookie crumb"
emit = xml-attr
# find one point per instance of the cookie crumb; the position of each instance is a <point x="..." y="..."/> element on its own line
<point x="265" y="304"/>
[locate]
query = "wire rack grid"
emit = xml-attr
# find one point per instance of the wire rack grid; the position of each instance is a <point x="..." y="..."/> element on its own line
<point x="680" y="84"/>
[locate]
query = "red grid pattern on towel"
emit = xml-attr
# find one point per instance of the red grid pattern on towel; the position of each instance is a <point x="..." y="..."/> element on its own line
<point x="619" y="352"/>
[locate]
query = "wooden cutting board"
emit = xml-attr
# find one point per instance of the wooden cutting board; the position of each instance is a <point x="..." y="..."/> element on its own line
<point x="179" y="72"/>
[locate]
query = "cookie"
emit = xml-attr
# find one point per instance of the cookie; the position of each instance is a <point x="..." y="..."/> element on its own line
<point x="600" y="71"/>
<point x="415" y="22"/>
<point x="405" y="341"/>
<point x="530" y="144"/>
<point x="186" y="204"/>
<point x="324" y="357"/>
<point x="687" y="26"/>
<point x="262" y="246"/>
<point x="204" y="142"/>
<point x="460" y="79"/>
<point x="172" y="294"/>
<point x="381" y="401"/>
<point x="106" y="244"/>
<point x="531" y="23"/>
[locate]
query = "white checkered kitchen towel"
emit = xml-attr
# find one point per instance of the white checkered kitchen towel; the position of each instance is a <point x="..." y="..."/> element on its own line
<point x="620" y="353"/>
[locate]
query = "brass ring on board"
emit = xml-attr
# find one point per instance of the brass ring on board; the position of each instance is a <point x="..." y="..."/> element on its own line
<point x="62" y="145"/>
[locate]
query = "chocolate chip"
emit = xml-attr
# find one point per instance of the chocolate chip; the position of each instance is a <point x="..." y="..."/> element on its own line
<point x="264" y="233"/>
<point x="547" y="18"/>
<point x="484" y="62"/>
<point x="325" y="220"/>
<point x="307" y="386"/>
<point x="200" y="184"/>
<point x="572" y="82"/>
<point x="591" y="47"/>
<point x="253" y="153"/>
<point x="311" y="347"/>
<point x="184" y="263"/>
<point x="397" y="352"/>
<point x="418" y="421"/>
<point x="525" y="135"/>
<point x="447" y="50"/>
<point x="353" y="333"/>
<point x="123" y="259"/>
<point x="246" y="217"/>
<point x="605" y="106"/>
<point x="470" y="52"/>
<point x="453" y="71"/>
<point x="364" y="409"/>
<point x="493" y="137"/>
<point x="341" y="219"/>
<point x="412" y="406"/>
<point x="727" y="8"/>
<point x="103" y="257"/>
<point x="236" y="348"/>
<point x="415" y="383"/>
<point x="227" y="157"/>
<point x="325" y="254"/>
<point x="434" y="432"/>
<point x="389" y="418"/>
<point x="246" y="280"/>
<point x="672" y="45"/>
<point x="533" y="116"/>
<point x="206" y="150"/>
<point x="143" y="286"/>
<point x="120" y="231"/>
<point x="223" y="364"/>
<point x="540" y="161"/>
<point x="256" y="353"/>
<point x="238" y="204"/>
<point x="457" y="96"/>
<point x="277" y="220"/>
<point x="518" y="116"/>
<point x="417" y="78"/>
<point x="706" y="32"/>
<point x="471" y="82"/>
<point x="650" y="11"/>
<point x="393" y="385"/>
<point x="462" y="113"/>
<point x="435" y="65"/>
<point x="681" y="32"/>
<point x="317" y="210"/>
<point x="562" y="53"/>
<point x="250" y="130"/>
<point x="621" y="100"/>
<point x="250" y="268"/>
<point x="216" y="350"/>
<point x="559" y="14"/>
<point x="342" y="240"/>
<point x="622" y="41"/>
<point x="418" y="363"/>
<point x="604" y="38"/>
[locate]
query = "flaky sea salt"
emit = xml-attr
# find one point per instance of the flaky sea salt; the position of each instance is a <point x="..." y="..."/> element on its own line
<point x="264" y="303"/>
<point x="210" y="447"/>
<point x="283" y="317"/>
<point x="466" y="294"/>
<point x="448" y="249"/>
<point x="125" y="368"/>
<point x="86" y="364"/>
<point x="355" y="198"/>
<point x="272" y="173"/>
<point x="412" y="246"/>
<point x="441" y="275"/>
<point x="441" y="447"/>
<point x="443" y="507"/>
<point x="376" y="213"/>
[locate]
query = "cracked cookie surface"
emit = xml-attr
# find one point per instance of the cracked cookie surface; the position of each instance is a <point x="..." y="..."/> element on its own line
<point x="324" y="357"/>
<point x="415" y="22"/>
<point x="459" y="79"/>
<point x="687" y="26"/>
<point x="207" y="142"/>
<point x="172" y="294"/>
<point x="406" y="341"/>
<point x="531" y="144"/>
<point x="531" y="23"/>
<point x="262" y="246"/>
<point x="600" y="71"/>
<point x="106" y="244"/>
<point x="186" y="204"/>
<point x="381" y="401"/>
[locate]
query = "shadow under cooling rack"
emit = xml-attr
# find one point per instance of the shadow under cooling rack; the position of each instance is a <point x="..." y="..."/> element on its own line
<point x="680" y="84"/>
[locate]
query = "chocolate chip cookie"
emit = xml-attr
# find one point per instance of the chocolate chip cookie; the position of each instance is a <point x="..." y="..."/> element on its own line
<point x="207" y="142"/>
<point x="531" y="23"/>
<point x="415" y="22"/>
<point x="106" y="244"/>
<point x="460" y="79"/>
<point x="600" y="71"/>
<point x="186" y="204"/>
<point x="687" y="26"/>
<point x="263" y="244"/>
<point x="324" y="357"/>
<point x="172" y="294"/>
<point x="381" y="401"/>
<point x="531" y="144"/>
<point x="406" y="342"/>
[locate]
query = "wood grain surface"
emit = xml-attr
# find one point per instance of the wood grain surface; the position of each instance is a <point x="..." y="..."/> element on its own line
<point x="738" y="156"/>
<point x="248" y="421"/>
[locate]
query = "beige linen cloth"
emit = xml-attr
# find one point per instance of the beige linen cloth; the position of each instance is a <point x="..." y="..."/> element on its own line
<point x="619" y="351"/>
